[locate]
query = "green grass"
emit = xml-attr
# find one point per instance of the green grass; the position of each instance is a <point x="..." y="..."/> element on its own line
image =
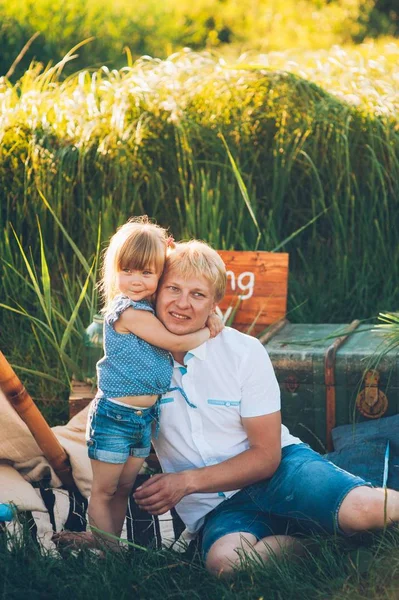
<point x="146" y="139"/>
<point x="296" y="152"/>
<point x="158" y="29"/>
<point x="334" y="569"/>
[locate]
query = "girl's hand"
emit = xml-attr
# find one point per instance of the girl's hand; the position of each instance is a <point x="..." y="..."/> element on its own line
<point x="215" y="324"/>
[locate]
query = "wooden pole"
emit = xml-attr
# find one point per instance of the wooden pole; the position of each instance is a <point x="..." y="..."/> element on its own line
<point x="21" y="401"/>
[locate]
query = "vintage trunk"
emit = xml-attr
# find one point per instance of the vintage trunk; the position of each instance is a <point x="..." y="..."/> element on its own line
<point x="328" y="379"/>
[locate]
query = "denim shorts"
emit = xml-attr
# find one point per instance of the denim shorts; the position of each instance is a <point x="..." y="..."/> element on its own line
<point x="303" y="497"/>
<point x="115" y="432"/>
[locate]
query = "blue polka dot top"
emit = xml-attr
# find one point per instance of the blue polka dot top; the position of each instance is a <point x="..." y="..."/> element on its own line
<point x="131" y="366"/>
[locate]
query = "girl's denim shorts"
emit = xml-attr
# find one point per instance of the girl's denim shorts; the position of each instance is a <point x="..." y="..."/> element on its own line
<point x="115" y="432"/>
<point x="303" y="497"/>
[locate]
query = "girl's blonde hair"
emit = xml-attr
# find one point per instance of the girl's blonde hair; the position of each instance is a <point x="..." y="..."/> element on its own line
<point x="195" y="258"/>
<point x="138" y="244"/>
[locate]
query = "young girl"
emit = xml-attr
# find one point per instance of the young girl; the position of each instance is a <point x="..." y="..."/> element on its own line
<point x="135" y="370"/>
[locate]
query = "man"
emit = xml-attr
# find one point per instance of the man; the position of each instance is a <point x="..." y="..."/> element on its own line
<point x="230" y="468"/>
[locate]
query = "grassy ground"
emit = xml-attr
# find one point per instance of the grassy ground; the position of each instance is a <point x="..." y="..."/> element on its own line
<point x="333" y="570"/>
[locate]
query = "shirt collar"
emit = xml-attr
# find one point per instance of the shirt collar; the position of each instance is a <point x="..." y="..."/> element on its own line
<point x="199" y="352"/>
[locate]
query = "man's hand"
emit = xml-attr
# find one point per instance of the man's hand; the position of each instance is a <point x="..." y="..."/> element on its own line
<point x="215" y="324"/>
<point x="162" y="492"/>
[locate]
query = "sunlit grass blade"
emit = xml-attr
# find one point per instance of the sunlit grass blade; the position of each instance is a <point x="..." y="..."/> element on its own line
<point x="40" y="374"/>
<point x="293" y="235"/>
<point x="71" y="322"/>
<point x="389" y="327"/>
<point x="27" y="315"/>
<point x="243" y="190"/>
<point x="18" y="275"/>
<point x="46" y="284"/>
<point x="76" y="250"/>
<point x="48" y="333"/>
<point x="40" y="345"/>
<point x="230" y="313"/>
<point x="94" y="294"/>
<point x="251" y="327"/>
<point x="33" y="279"/>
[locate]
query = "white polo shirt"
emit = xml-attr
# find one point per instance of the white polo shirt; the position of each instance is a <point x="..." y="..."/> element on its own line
<point x="227" y="378"/>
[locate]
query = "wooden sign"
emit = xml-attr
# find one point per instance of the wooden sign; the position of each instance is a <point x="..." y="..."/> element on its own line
<point x="257" y="287"/>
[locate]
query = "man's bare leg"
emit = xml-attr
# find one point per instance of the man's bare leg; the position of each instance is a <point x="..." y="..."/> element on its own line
<point x="366" y="508"/>
<point x="230" y="551"/>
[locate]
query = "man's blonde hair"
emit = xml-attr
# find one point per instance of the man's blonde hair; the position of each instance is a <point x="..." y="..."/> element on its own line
<point x="198" y="259"/>
<point x="138" y="244"/>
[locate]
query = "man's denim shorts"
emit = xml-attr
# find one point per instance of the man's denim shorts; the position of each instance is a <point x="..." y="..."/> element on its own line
<point x="115" y="432"/>
<point x="303" y="497"/>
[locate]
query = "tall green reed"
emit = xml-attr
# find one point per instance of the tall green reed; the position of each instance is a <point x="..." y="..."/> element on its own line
<point x="52" y="302"/>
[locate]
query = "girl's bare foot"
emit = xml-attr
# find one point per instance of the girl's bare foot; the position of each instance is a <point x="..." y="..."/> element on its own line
<point x="74" y="540"/>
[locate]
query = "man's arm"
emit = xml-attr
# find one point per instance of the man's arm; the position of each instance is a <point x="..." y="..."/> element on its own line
<point x="260" y="461"/>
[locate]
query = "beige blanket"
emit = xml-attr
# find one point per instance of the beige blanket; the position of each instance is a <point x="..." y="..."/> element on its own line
<point x="22" y="461"/>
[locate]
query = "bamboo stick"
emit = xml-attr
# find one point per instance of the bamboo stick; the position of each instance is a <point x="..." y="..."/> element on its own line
<point x="23" y="404"/>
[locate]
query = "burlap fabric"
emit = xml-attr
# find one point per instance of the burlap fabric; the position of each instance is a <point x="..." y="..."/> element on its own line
<point x="22" y="461"/>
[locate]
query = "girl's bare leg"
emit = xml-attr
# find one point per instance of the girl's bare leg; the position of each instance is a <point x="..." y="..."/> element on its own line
<point x="120" y="499"/>
<point x="109" y="494"/>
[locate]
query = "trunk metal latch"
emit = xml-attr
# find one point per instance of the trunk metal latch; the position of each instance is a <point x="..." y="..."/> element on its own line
<point x="371" y="401"/>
